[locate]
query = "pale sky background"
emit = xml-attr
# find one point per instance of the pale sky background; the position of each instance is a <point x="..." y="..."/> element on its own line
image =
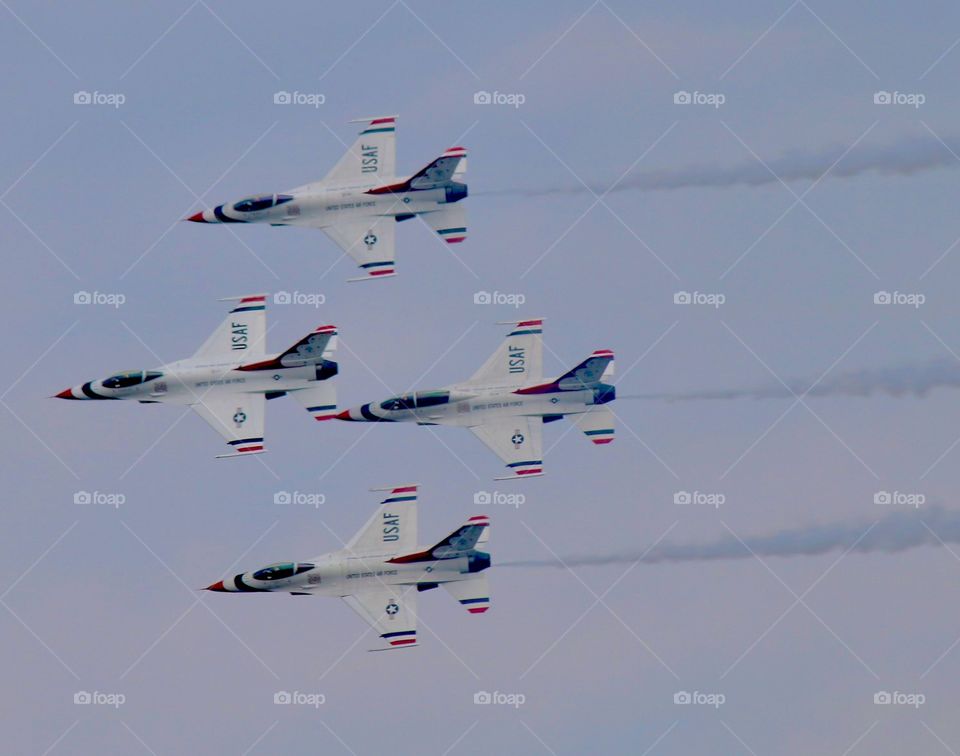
<point x="103" y="600"/>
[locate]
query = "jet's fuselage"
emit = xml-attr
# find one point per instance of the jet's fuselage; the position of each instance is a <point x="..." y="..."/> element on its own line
<point x="340" y="574"/>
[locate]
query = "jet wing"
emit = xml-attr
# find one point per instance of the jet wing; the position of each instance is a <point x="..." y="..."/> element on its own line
<point x="243" y="333"/>
<point x="370" y="242"/>
<point x="517" y="361"/>
<point x="236" y="416"/>
<point x="473" y="593"/>
<point x="373" y="156"/>
<point x="518" y="441"/>
<point x="392" y="613"/>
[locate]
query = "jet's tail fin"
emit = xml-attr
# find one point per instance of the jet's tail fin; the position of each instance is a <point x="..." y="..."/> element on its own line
<point x="440" y="171"/>
<point x="597" y="424"/>
<point x="392" y="529"/>
<point x="589" y="374"/>
<point x="461" y="542"/>
<point x="313" y="349"/>
<point x="472" y="593"/>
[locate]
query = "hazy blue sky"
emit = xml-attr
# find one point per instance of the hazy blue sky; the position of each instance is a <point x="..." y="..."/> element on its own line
<point x="103" y="599"/>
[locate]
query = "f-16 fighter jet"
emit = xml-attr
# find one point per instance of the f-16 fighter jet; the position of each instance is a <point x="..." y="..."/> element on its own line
<point x="381" y="571"/>
<point x="229" y="379"/>
<point x="359" y="203"/>
<point x="507" y="401"/>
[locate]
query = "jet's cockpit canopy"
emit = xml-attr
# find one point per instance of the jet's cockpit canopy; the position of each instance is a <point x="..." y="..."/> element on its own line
<point x="131" y="378"/>
<point x="252" y="204"/>
<point x="282" y="570"/>
<point x="419" y="400"/>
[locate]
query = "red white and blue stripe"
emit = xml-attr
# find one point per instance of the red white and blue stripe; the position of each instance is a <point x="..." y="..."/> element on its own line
<point x="527" y="468"/>
<point x="381" y="126"/>
<point x="476" y="605"/>
<point x="401" y="494"/>
<point x="527" y="328"/>
<point x="600" y="435"/>
<point x="400" y="637"/>
<point x="380" y="268"/>
<point x="250" y="304"/>
<point x="323" y="412"/>
<point x="453" y="235"/>
<point x="247" y="445"/>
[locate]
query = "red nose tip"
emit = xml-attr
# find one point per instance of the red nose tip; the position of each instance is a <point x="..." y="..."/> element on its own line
<point x="218" y="586"/>
<point x="65" y="394"/>
<point x="196" y="217"/>
<point x="345" y="415"/>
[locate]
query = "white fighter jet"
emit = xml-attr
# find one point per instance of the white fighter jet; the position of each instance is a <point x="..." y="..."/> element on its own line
<point x="360" y="201"/>
<point x="381" y="570"/>
<point x="230" y="378"/>
<point x="507" y="401"/>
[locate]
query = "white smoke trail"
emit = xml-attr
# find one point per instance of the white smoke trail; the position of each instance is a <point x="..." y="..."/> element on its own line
<point x="916" y="380"/>
<point x="904" y="157"/>
<point x="895" y="532"/>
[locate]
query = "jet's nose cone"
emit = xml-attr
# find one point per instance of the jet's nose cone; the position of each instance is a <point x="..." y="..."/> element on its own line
<point x="218" y="586"/>
<point x="65" y="394"/>
<point x="197" y="218"/>
<point x="345" y="415"/>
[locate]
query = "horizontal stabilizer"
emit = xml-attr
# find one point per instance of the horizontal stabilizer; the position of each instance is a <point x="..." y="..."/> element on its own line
<point x="473" y="594"/>
<point x="597" y="425"/>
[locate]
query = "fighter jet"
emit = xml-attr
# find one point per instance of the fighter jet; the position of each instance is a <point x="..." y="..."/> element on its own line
<point x="381" y="570"/>
<point x="506" y="402"/>
<point x="229" y="379"/>
<point x="360" y="201"/>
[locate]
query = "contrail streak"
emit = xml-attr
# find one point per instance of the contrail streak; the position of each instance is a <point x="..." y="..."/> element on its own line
<point x="893" y="533"/>
<point x="915" y="380"/>
<point x="904" y="157"/>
